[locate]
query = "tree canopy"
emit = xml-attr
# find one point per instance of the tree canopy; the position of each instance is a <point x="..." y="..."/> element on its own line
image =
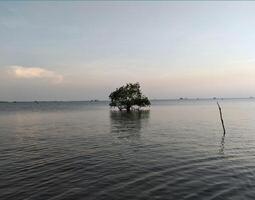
<point x="128" y="96"/>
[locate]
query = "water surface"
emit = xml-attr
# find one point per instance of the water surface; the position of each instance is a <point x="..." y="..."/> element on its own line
<point x="82" y="150"/>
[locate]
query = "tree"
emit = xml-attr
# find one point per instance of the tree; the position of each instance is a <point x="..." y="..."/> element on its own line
<point x="128" y="96"/>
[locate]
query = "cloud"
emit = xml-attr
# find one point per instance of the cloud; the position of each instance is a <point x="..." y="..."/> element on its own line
<point x="35" y="73"/>
<point x="243" y="61"/>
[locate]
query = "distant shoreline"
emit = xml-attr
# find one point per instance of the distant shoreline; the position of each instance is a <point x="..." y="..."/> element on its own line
<point x="93" y="101"/>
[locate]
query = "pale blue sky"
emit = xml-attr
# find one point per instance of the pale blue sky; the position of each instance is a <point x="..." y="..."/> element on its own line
<point x="83" y="50"/>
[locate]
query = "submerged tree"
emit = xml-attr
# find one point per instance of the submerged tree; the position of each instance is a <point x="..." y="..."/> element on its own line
<point x="128" y="96"/>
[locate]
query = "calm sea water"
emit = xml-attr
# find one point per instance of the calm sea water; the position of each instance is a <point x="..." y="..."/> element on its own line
<point x="82" y="150"/>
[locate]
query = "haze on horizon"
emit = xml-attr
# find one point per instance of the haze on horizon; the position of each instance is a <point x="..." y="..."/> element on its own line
<point x="84" y="50"/>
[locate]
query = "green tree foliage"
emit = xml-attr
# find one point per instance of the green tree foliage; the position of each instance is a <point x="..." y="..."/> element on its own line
<point x="128" y="96"/>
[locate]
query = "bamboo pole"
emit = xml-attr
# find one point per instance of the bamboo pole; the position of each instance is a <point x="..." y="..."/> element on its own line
<point x="221" y="118"/>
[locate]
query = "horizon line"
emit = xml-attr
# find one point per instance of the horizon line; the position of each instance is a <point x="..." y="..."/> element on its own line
<point x="154" y="99"/>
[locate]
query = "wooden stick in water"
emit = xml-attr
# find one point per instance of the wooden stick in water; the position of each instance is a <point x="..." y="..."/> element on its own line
<point x="221" y="118"/>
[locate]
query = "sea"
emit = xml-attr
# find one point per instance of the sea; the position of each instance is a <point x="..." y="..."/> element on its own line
<point x="85" y="150"/>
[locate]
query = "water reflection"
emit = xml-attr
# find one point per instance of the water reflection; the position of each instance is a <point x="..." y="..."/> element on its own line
<point x="222" y="145"/>
<point x="128" y="125"/>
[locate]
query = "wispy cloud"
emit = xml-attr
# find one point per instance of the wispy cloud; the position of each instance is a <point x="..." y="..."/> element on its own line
<point x="35" y="73"/>
<point x="243" y="61"/>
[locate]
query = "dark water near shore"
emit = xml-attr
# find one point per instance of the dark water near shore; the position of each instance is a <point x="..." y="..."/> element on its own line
<point x="81" y="150"/>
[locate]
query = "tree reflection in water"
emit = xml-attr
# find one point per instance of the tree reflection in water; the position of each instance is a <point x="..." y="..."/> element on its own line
<point x="128" y="125"/>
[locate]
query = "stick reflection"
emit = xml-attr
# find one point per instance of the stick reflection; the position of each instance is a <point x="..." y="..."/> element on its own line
<point x="222" y="145"/>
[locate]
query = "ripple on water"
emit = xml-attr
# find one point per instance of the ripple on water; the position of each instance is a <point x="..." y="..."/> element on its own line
<point x="90" y="153"/>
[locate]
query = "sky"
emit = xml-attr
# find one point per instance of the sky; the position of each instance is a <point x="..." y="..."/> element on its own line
<point x="84" y="50"/>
